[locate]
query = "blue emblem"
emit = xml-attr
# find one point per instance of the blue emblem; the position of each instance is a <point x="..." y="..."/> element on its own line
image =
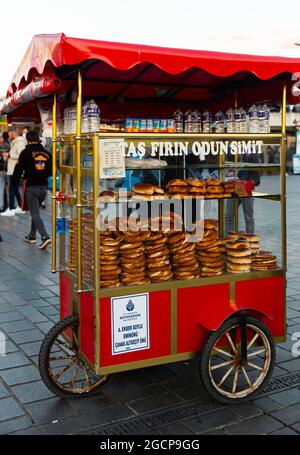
<point x="130" y="306"/>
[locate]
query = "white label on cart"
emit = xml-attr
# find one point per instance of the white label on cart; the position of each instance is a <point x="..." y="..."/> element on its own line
<point x="130" y="323"/>
<point x="111" y="158"/>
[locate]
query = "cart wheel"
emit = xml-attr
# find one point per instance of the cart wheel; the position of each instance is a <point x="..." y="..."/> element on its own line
<point x="228" y="377"/>
<point x="61" y="367"/>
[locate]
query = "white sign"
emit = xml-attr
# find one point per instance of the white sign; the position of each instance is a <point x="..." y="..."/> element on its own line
<point x="130" y="323"/>
<point x="111" y="159"/>
<point x="200" y="149"/>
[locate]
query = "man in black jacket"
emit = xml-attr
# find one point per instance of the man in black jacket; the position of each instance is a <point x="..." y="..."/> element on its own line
<point x="36" y="165"/>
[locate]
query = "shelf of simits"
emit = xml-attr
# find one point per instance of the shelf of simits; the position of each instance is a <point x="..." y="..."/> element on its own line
<point x="265" y="205"/>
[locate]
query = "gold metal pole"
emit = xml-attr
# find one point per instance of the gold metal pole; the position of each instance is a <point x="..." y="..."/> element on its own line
<point x="283" y="180"/>
<point x="79" y="195"/>
<point x="236" y="160"/>
<point x="96" y="256"/>
<point x="54" y="155"/>
<point x="221" y="203"/>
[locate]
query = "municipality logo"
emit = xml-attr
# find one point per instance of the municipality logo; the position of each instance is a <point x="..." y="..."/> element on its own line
<point x="130" y="306"/>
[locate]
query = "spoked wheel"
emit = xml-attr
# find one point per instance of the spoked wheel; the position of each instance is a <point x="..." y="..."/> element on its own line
<point x="61" y="367"/>
<point x="228" y="375"/>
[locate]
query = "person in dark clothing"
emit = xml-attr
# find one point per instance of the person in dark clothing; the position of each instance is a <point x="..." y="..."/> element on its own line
<point x="247" y="203"/>
<point x="35" y="163"/>
<point x="4" y="151"/>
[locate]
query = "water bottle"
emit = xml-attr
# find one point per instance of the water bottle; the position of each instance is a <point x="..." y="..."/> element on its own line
<point x="93" y="117"/>
<point x="188" y="122"/>
<point x="253" y="119"/>
<point x="60" y="219"/>
<point x="207" y="122"/>
<point x="243" y="121"/>
<point x="238" y="120"/>
<point x="178" y="121"/>
<point x="220" y="122"/>
<point x="267" y="127"/>
<point x="84" y="118"/>
<point x="196" y="122"/>
<point x="73" y="120"/>
<point x="67" y="121"/>
<point x="67" y="216"/>
<point x="261" y="123"/>
<point x="230" y="121"/>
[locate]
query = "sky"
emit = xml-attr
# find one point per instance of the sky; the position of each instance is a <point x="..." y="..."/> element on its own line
<point x="263" y="27"/>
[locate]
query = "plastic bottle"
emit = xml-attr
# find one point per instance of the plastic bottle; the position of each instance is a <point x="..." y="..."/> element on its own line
<point x="93" y="114"/>
<point x="220" y="122"/>
<point x="199" y="122"/>
<point x="60" y="219"/>
<point x="243" y="120"/>
<point x="253" y="119"/>
<point x="267" y="127"/>
<point x="207" y="122"/>
<point x="261" y="123"/>
<point x="230" y="121"/>
<point x="188" y="122"/>
<point x="178" y="121"/>
<point x="67" y="216"/>
<point x="84" y="118"/>
<point x="67" y="121"/>
<point x="73" y="120"/>
<point x="196" y="122"/>
<point x="237" y="120"/>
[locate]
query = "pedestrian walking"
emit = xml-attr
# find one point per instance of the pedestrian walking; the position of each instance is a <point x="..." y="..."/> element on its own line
<point x="35" y="164"/>
<point x="18" y="144"/>
<point x="4" y="151"/>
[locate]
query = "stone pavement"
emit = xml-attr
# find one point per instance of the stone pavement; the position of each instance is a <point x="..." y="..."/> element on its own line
<point x="167" y="400"/>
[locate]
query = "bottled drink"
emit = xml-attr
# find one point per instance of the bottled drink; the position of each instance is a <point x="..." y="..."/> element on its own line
<point x="230" y="121"/>
<point x="163" y="125"/>
<point x="207" y="122"/>
<point x="67" y="216"/>
<point x="253" y="119"/>
<point x="188" y="122"/>
<point x="73" y="120"/>
<point x="267" y="128"/>
<point x="93" y="117"/>
<point x="196" y="122"/>
<point x="170" y="125"/>
<point x="84" y="118"/>
<point x="67" y="121"/>
<point x="238" y="120"/>
<point x="60" y="219"/>
<point x="261" y="122"/>
<point x="178" y="121"/>
<point x="220" y="122"/>
<point x="243" y="120"/>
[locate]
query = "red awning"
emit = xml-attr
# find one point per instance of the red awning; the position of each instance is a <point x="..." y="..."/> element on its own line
<point x="61" y="50"/>
<point x="144" y="74"/>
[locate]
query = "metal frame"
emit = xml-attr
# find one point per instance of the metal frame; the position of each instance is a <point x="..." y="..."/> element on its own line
<point x="78" y="284"/>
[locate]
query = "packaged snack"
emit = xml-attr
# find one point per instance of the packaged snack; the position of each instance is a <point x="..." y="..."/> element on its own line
<point x="136" y="125"/>
<point x="150" y="125"/>
<point x="171" y="125"/>
<point x="156" y="125"/>
<point x="129" y="125"/>
<point x="163" y="125"/>
<point x="143" y="125"/>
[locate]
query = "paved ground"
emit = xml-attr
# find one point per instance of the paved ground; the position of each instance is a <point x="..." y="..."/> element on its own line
<point x="160" y="400"/>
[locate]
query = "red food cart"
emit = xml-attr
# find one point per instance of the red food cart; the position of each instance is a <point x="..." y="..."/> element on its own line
<point x="231" y="321"/>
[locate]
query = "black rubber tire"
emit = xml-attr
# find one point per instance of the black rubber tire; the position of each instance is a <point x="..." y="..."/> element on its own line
<point x="44" y="356"/>
<point x="204" y="357"/>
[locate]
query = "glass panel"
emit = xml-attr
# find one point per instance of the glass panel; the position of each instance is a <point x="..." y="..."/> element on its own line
<point x="265" y="222"/>
<point x="266" y="219"/>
